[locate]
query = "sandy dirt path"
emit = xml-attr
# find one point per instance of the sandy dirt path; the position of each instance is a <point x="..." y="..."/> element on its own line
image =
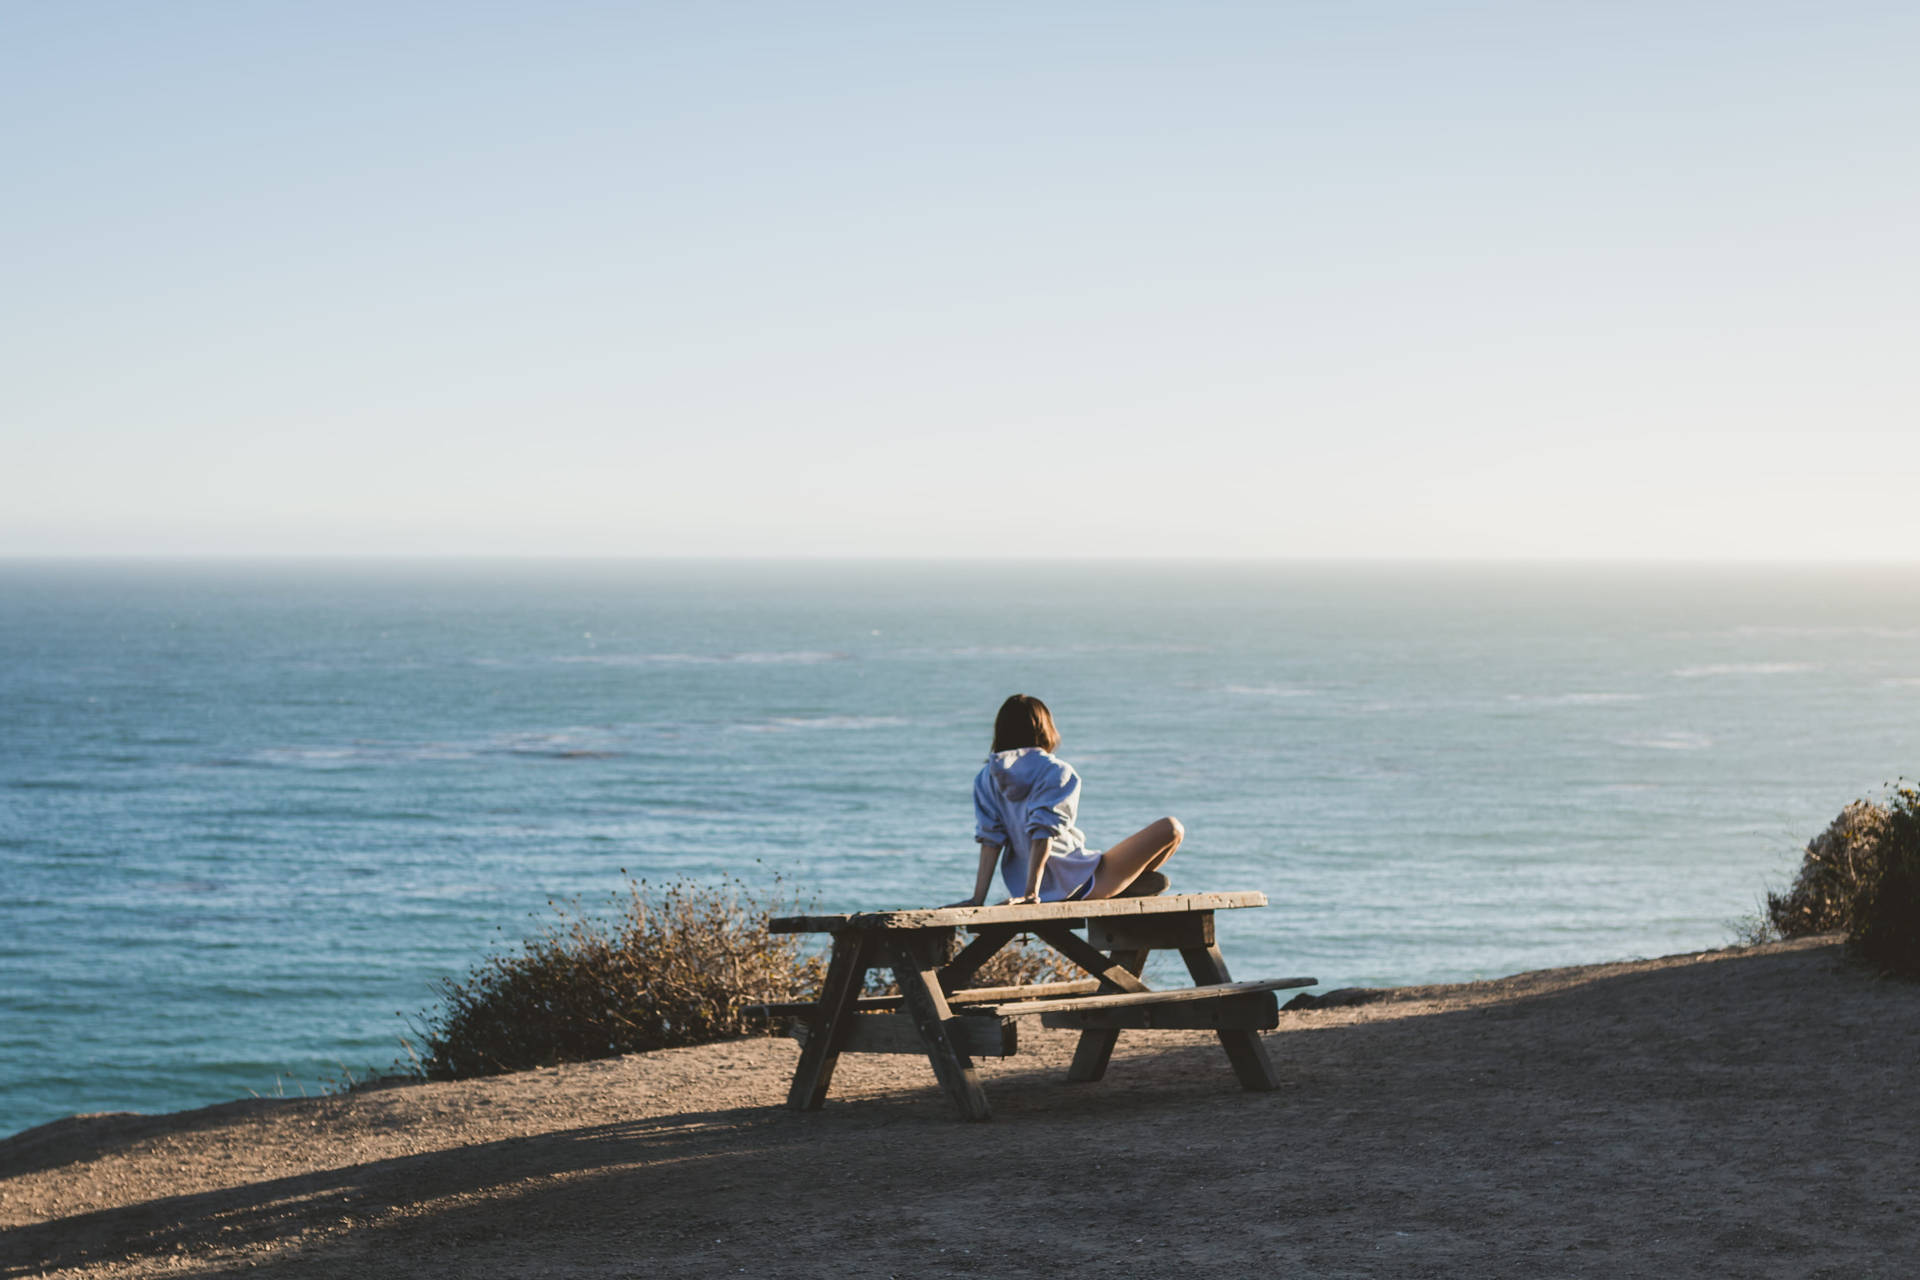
<point x="1738" y="1113"/>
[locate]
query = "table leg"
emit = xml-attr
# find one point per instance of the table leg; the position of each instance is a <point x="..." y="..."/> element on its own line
<point x="1244" y="1050"/>
<point x="1091" y="1055"/>
<point x="916" y="967"/>
<point x="846" y="971"/>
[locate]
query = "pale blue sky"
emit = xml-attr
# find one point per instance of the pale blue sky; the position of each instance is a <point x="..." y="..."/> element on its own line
<point x="1288" y="279"/>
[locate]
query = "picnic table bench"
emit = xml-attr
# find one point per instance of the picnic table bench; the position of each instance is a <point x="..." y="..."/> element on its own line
<point x="937" y="1013"/>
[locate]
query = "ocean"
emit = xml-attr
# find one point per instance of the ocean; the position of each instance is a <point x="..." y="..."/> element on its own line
<point x="249" y="812"/>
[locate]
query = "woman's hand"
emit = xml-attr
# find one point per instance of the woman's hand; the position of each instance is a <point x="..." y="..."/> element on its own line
<point x="964" y="902"/>
<point x="1021" y="901"/>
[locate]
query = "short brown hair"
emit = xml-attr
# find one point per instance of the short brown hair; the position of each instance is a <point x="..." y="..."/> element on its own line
<point x="1024" y="721"/>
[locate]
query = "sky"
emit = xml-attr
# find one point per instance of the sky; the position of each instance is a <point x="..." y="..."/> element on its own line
<point x="1302" y="278"/>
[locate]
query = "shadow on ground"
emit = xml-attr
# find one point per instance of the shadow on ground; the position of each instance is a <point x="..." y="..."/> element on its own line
<point x="1746" y="1116"/>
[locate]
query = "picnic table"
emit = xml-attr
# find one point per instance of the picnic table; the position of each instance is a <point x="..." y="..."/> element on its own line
<point x="937" y="1013"/>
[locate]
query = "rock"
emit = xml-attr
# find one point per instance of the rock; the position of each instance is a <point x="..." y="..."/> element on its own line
<point x="1339" y="999"/>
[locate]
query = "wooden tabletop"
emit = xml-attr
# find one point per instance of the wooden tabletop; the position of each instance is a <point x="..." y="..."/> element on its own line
<point x="1027" y="913"/>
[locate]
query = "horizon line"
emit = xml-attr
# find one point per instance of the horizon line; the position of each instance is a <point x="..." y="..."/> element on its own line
<point x="473" y="557"/>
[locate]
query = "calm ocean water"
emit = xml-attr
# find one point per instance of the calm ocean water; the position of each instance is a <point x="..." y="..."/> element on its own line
<point x="247" y="813"/>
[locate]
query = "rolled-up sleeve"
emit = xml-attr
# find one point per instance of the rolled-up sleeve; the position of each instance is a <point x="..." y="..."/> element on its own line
<point x="1053" y="803"/>
<point x="987" y="825"/>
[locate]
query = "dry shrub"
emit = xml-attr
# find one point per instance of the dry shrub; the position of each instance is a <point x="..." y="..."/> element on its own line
<point x="675" y="966"/>
<point x="678" y="966"/>
<point x="1862" y="874"/>
<point x="1886" y="919"/>
<point x="1022" y="962"/>
<point x="1839" y="862"/>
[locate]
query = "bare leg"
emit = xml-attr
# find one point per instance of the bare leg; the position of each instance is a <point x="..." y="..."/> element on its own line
<point x="1144" y="850"/>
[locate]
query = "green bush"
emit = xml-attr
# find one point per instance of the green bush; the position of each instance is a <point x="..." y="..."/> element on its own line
<point x="1862" y="874"/>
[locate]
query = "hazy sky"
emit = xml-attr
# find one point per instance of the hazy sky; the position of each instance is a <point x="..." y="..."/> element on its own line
<point x="1295" y="279"/>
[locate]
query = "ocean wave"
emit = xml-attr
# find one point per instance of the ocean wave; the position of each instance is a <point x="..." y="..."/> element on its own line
<point x="1573" y="699"/>
<point x="1047" y="651"/>
<point x="560" y="752"/>
<point x="784" y="724"/>
<point x="1675" y="741"/>
<point x="309" y="757"/>
<point x="1268" y="690"/>
<point x="348" y="757"/>
<point x="576" y="742"/>
<point x="802" y="656"/>
<point x="1744" y="669"/>
<point x="1000" y="651"/>
<point x="562" y="744"/>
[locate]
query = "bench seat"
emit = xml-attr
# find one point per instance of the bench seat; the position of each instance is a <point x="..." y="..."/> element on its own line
<point x="1220" y="1006"/>
<point x="972" y="996"/>
<point x="1133" y="999"/>
<point x="989" y="1031"/>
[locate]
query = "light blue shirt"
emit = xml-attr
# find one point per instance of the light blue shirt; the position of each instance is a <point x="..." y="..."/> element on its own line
<point x="1021" y="796"/>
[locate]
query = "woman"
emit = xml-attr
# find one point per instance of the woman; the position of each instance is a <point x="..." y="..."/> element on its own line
<point x="1025" y="800"/>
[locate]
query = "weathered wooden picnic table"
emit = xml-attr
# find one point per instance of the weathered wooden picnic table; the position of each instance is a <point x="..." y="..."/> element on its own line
<point x="938" y="1014"/>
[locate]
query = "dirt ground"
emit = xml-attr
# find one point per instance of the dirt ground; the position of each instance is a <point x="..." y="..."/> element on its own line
<point x="1745" y="1113"/>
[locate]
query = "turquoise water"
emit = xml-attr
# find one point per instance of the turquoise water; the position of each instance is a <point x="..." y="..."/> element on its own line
<point x="247" y="813"/>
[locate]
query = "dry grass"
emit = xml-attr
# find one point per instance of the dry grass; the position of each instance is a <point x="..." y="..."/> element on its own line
<point x="1022" y="962"/>
<point x="673" y="966"/>
<point x="1839" y="863"/>
<point x="1886" y="924"/>
<point x="676" y="966"/>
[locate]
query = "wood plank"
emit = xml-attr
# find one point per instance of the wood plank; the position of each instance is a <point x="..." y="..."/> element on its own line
<point x="1244" y="1049"/>
<point x="984" y="946"/>
<point x="970" y="995"/>
<point x="917" y="971"/>
<point x="1036" y="991"/>
<point x="976" y="1035"/>
<point x="1095" y="1050"/>
<point x="1140" y="999"/>
<point x="1253" y="1011"/>
<point x="1151" y="933"/>
<point x="1102" y="966"/>
<point x="853" y="954"/>
<point x="1027" y="914"/>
